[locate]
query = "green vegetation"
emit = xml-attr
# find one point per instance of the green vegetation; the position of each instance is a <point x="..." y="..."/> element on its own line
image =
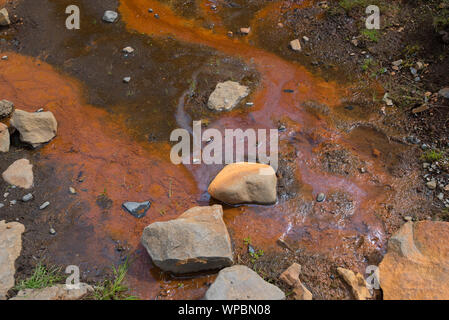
<point x="370" y="34"/>
<point x="432" y="156"/>
<point x="114" y="289"/>
<point x="42" y="277"/>
<point x="441" y="19"/>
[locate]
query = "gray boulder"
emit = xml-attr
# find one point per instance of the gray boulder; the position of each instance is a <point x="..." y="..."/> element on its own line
<point x="197" y="240"/>
<point x="242" y="283"/>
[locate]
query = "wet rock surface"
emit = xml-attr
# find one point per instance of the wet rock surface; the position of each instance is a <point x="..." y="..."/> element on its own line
<point x="137" y="209"/>
<point x="197" y="240"/>
<point x="241" y="283"/>
<point x="10" y="248"/>
<point x="415" y="266"/>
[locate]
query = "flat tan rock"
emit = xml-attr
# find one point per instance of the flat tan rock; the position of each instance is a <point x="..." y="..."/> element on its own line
<point x="57" y="292"/>
<point x="245" y="182"/>
<point x="356" y="282"/>
<point x="19" y="174"/>
<point x="4" y="138"/>
<point x="35" y="128"/>
<point x="416" y="266"/>
<point x="10" y="247"/>
<point x="295" y="45"/>
<point x="227" y="96"/>
<point x="6" y="108"/>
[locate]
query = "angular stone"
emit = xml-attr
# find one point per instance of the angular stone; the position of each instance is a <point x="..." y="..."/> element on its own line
<point x="10" y="247"/>
<point x="57" y="292"/>
<point x="417" y="262"/>
<point x="197" y="240"/>
<point x="4" y="138"/>
<point x="34" y="128"/>
<point x="5" y="108"/>
<point x="110" y="16"/>
<point x="300" y="292"/>
<point x="356" y="282"/>
<point x="19" y="174"/>
<point x="227" y="95"/>
<point x="245" y="182"/>
<point x="245" y="30"/>
<point x="291" y="275"/>
<point x="137" y="209"/>
<point x="241" y="283"/>
<point x="295" y="45"/>
<point x="4" y="17"/>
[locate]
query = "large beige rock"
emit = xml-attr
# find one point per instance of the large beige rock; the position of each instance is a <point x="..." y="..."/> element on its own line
<point x="245" y="182"/>
<point x="416" y="266"/>
<point x="241" y="283"/>
<point x="4" y="138"/>
<point x="35" y="128"/>
<point x="10" y="247"/>
<point x="4" y="17"/>
<point x="5" y="108"/>
<point x="19" y="174"/>
<point x="57" y="292"/>
<point x="197" y="240"/>
<point x="356" y="282"/>
<point x="227" y="95"/>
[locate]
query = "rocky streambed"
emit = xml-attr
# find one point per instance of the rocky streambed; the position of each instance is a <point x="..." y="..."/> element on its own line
<point x="88" y="179"/>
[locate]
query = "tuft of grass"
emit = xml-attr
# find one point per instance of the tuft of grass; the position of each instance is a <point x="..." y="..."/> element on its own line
<point x="432" y="156"/>
<point x="370" y="34"/>
<point x="114" y="289"/>
<point x="42" y="277"/>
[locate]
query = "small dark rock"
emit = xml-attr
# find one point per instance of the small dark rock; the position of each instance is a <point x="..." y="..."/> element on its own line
<point x="137" y="209"/>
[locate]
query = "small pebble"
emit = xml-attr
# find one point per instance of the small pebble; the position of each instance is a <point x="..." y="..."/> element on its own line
<point x="72" y="190"/>
<point x="128" y="50"/>
<point x="5" y="58"/>
<point x="27" y="197"/>
<point x="250" y="104"/>
<point x="6" y="195"/>
<point x="150" y="10"/>
<point x="52" y="231"/>
<point x="440" y="196"/>
<point x="156" y="16"/>
<point x="126" y="79"/>
<point x="321" y="197"/>
<point x="408" y="218"/>
<point x="1" y="205"/>
<point x="40" y="110"/>
<point x="44" y="205"/>
<point x="12" y="202"/>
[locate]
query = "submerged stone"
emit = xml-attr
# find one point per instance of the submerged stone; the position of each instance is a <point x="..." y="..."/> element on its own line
<point x="137" y="209"/>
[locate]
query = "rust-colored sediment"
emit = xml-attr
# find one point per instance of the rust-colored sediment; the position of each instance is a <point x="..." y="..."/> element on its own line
<point x="99" y="144"/>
